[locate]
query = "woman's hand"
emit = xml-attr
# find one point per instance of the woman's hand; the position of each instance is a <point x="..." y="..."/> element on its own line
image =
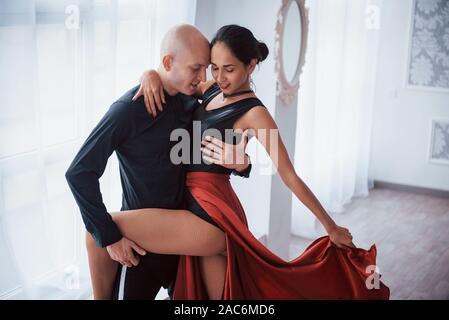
<point x="341" y="237"/>
<point x="224" y="154"/>
<point x="152" y="90"/>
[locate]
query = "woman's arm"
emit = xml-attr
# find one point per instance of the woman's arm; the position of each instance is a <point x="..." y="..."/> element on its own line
<point x="265" y="129"/>
<point x="152" y="90"/>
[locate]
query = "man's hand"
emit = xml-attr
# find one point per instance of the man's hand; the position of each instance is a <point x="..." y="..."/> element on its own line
<point x="152" y="90"/>
<point x="224" y="154"/>
<point x="122" y="252"/>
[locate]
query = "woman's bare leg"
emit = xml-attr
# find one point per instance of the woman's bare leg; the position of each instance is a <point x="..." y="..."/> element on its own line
<point x="102" y="269"/>
<point x="170" y="232"/>
<point x="213" y="271"/>
<point x="159" y="231"/>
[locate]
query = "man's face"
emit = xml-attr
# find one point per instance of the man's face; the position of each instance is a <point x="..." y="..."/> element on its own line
<point x="189" y="69"/>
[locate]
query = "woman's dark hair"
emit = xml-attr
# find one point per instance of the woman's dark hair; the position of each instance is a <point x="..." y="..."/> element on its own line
<point x="241" y="42"/>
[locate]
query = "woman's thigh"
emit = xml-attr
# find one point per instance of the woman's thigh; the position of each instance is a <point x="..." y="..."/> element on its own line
<point x="171" y="232"/>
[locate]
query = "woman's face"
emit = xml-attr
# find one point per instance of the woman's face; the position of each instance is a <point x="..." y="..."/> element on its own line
<point x="228" y="71"/>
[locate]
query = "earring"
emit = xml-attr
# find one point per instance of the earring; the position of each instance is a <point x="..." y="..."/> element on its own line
<point x="252" y="84"/>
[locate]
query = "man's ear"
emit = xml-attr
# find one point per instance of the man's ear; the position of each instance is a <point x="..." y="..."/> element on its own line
<point x="167" y="62"/>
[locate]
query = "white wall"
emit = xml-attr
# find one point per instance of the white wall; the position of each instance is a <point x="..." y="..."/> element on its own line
<point x="260" y="17"/>
<point x="205" y="17"/>
<point x="401" y="127"/>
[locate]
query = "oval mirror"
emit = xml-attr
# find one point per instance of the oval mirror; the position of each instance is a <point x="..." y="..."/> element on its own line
<point x="291" y="42"/>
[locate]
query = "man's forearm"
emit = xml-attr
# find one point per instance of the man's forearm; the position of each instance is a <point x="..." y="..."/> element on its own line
<point x="86" y="191"/>
<point x="89" y="165"/>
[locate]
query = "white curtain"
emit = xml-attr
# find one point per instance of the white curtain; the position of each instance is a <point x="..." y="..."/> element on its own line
<point x="62" y="63"/>
<point x="335" y="106"/>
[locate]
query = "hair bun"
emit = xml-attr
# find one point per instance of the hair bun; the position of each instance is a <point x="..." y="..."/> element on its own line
<point x="263" y="51"/>
<point x="241" y="42"/>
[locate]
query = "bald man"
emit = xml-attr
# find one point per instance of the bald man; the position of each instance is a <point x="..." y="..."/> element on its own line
<point x="148" y="178"/>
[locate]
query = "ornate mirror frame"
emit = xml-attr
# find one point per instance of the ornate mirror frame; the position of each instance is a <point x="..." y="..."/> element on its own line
<point x="287" y="90"/>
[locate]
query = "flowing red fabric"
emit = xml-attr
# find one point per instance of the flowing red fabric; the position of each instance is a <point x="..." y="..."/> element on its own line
<point x="322" y="271"/>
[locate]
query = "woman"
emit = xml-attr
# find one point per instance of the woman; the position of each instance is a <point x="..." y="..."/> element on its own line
<point x="221" y="259"/>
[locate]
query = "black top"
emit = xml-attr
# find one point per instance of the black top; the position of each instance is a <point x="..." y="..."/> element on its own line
<point x="142" y="144"/>
<point x="219" y="123"/>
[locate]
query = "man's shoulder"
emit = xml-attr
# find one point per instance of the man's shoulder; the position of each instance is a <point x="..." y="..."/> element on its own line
<point x="125" y="105"/>
<point x="127" y="97"/>
<point x="189" y="102"/>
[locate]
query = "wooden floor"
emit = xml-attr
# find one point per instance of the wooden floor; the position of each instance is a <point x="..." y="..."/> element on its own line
<point x="411" y="233"/>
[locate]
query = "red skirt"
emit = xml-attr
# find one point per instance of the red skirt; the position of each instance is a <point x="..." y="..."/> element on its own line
<point x="322" y="271"/>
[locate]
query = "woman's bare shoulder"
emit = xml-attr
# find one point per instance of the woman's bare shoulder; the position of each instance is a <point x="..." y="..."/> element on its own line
<point x="257" y="112"/>
<point x="257" y="117"/>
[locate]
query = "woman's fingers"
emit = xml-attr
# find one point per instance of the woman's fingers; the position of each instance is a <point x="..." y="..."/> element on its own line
<point x="216" y="158"/>
<point x="349" y="235"/>
<point x="209" y="152"/>
<point x="161" y="89"/>
<point x="212" y="148"/>
<point x="151" y="103"/>
<point x="211" y="160"/>
<point x="340" y="246"/>
<point x="342" y="238"/>
<point x="157" y="99"/>
<point x="349" y="245"/>
<point x="216" y="152"/>
<point x="148" y="106"/>
<point x="138" y="94"/>
<point x="215" y="141"/>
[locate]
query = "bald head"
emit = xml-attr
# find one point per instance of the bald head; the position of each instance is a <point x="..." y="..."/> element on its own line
<point x="185" y="56"/>
<point x="183" y="38"/>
